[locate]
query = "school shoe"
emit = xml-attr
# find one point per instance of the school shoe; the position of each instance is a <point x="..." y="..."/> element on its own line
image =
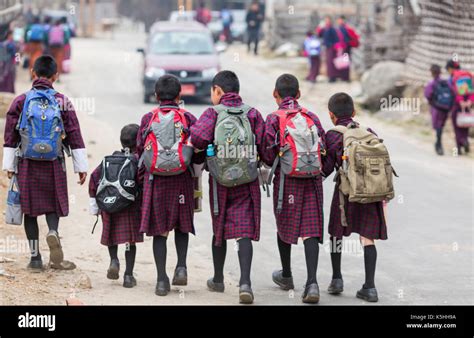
<point x="213" y="286"/>
<point x="180" y="276"/>
<point x="114" y="269"/>
<point x="439" y="149"/>
<point x="56" y="255"/>
<point x="285" y="283"/>
<point x="245" y="294"/>
<point x="369" y="295"/>
<point x="311" y="294"/>
<point x="467" y="148"/>
<point x="162" y="287"/>
<point x="336" y="286"/>
<point x="35" y="265"/>
<point x="129" y="281"/>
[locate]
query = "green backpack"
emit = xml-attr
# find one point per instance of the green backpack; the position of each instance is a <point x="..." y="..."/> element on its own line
<point x="235" y="160"/>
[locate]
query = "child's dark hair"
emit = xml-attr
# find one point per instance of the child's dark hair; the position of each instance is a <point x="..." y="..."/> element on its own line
<point x="45" y="66"/>
<point x="453" y="64"/>
<point x="287" y="85"/>
<point x="128" y="136"/>
<point x="228" y="81"/>
<point x="341" y="105"/>
<point x="435" y="69"/>
<point x="167" y="88"/>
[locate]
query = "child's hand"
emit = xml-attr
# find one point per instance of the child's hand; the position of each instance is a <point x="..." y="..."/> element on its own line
<point x="82" y="178"/>
<point x="10" y="174"/>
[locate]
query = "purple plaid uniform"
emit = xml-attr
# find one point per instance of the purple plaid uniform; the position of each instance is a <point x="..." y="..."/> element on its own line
<point x="121" y="227"/>
<point x="438" y="117"/>
<point x="239" y="207"/>
<point x="43" y="184"/>
<point x="168" y="201"/>
<point x="302" y="211"/>
<point x="365" y="219"/>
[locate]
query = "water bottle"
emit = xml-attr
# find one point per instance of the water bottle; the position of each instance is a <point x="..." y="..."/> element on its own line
<point x="210" y="151"/>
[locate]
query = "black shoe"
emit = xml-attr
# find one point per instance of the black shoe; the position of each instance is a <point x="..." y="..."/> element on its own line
<point x="180" y="276"/>
<point x="35" y="265"/>
<point x="459" y="151"/>
<point x="129" y="281"/>
<point x="369" y="295"/>
<point x="439" y="149"/>
<point x="162" y="288"/>
<point x="114" y="269"/>
<point x="285" y="283"/>
<point x="336" y="287"/>
<point x="467" y="148"/>
<point x="213" y="286"/>
<point x="311" y="294"/>
<point x="245" y="294"/>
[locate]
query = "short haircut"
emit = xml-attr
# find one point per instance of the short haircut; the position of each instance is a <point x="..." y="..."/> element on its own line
<point x="341" y="105"/>
<point x="453" y="64"/>
<point x="228" y="81"/>
<point x="287" y="85"/>
<point x="45" y="66"/>
<point x="167" y="88"/>
<point x="435" y="69"/>
<point x="342" y="17"/>
<point x="128" y="136"/>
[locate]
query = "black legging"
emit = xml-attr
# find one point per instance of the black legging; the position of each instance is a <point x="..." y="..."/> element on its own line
<point x="32" y="232"/>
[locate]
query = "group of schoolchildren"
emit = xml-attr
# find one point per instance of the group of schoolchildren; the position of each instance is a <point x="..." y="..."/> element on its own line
<point x="453" y="96"/>
<point x="147" y="187"/>
<point x="50" y="37"/>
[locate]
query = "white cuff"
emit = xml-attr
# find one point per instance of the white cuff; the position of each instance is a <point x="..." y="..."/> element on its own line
<point x="79" y="160"/>
<point x="9" y="159"/>
<point x="93" y="207"/>
<point x="198" y="168"/>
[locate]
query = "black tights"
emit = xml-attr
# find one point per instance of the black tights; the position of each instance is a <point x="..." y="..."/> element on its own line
<point x="130" y="254"/>
<point x="32" y="232"/>
<point x="160" y="250"/>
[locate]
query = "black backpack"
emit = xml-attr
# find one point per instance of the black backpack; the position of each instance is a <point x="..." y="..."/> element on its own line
<point x="443" y="96"/>
<point x="118" y="187"/>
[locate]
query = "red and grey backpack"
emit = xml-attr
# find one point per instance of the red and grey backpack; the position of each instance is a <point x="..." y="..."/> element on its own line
<point x="167" y="150"/>
<point x="300" y="147"/>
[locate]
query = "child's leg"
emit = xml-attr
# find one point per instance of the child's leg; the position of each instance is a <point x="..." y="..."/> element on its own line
<point x="245" y="260"/>
<point x="53" y="221"/>
<point x="285" y="257"/>
<point x="336" y="255"/>
<point x="370" y="259"/>
<point x="218" y="257"/>
<point x="32" y="234"/>
<point x="130" y="254"/>
<point x="311" y="251"/>
<point x="113" y="249"/>
<point x="181" y="241"/>
<point x="160" y="252"/>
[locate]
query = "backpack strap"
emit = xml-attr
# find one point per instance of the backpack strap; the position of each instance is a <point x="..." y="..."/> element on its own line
<point x="215" y="201"/>
<point x="280" y="192"/>
<point x="340" y="129"/>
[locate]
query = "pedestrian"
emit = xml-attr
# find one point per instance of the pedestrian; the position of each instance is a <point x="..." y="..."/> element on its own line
<point x="40" y="165"/>
<point x="227" y="21"/>
<point x="334" y="44"/>
<point x="461" y="133"/>
<point x="298" y="190"/>
<point x="8" y="52"/>
<point x="56" y="42"/>
<point x="168" y="187"/>
<point x="203" y="14"/>
<point x="440" y="97"/>
<point x="351" y="37"/>
<point x="121" y="224"/>
<point x="231" y="133"/>
<point x="35" y="37"/>
<point x="254" y="21"/>
<point x="68" y="33"/>
<point x="367" y="220"/>
<point x="312" y="49"/>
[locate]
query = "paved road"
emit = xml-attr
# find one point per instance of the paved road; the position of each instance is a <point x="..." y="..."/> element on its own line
<point x="428" y="258"/>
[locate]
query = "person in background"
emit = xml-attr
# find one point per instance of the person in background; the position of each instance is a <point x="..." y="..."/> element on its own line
<point x="254" y="22"/>
<point x="68" y="33"/>
<point x="203" y="14"/>
<point x="440" y="98"/>
<point x="350" y="35"/>
<point x="8" y="50"/>
<point x="56" y="42"/>
<point x="47" y="27"/>
<point x="312" y="49"/>
<point x="227" y="21"/>
<point x="35" y="37"/>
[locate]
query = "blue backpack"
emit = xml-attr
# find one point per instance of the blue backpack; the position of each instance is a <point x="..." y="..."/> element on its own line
<point x="443" y="96"/>
<point x="36" y="33"/>
<point x="41" y="127"/>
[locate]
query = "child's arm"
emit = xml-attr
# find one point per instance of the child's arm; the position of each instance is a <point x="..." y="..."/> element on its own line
<point x="270" y="140"/>
<point x="12" y="136"/>
<point x="333" y="156"/>
<point x="429" y="91"/>
<point x="93" y="184"/>
<point x="74" y="140"/>
<point x="141" y="133"/>
<point x="202" y="132"/>
<point x="258" y="125"/>
<point x="198" y="157"/>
